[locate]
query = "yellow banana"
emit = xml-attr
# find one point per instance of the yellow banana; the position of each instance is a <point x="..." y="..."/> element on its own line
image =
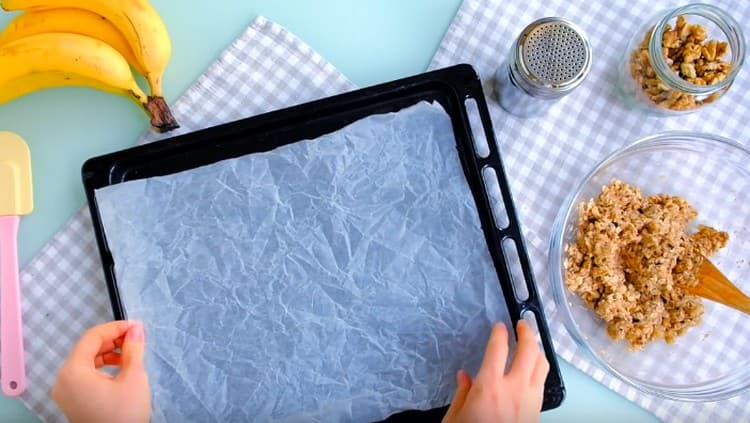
<point x="37" y="81"/>
<point x="76" y="21"/>
<point x="33" y="82"/>
<point x="137" y="20"/>
<point x="53" y="59"/>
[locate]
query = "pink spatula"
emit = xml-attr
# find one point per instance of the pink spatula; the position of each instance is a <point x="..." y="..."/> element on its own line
<point x="16" y="199"/>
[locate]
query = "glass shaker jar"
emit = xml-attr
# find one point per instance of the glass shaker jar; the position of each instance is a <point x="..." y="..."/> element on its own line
<point x="681" y="60"/>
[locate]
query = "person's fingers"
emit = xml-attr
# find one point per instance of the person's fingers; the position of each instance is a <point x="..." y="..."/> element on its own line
<point x="495" y="355"/>
<point x="108" y="359"/>
<point x="111" y="345"/>
<point x="527" y="352"/>
<point x="133" y="350"/>
<point x="464" y="386"/>
<point x="92" y="341"/>
<point x="116" y="343"/>
<point x="463" y="382"/>
<point x="534" y="397"/>
<point x="539" y="375"/>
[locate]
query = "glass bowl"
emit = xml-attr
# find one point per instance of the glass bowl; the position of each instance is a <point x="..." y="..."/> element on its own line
<point x="711" y="361"/>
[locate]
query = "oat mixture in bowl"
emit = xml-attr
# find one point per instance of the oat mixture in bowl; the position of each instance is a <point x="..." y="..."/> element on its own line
<point x="629" y="249"/>
<point x="633" y="261"/>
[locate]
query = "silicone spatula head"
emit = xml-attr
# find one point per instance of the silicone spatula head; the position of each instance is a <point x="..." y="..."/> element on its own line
<point x="16" y="194"/>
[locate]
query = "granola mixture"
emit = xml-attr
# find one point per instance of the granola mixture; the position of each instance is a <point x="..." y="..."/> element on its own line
<point x="689" y="55"/>
<point x="633" y="259"/>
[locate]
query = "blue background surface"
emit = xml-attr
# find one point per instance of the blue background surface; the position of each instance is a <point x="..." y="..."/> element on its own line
<point x="370" y="42"/>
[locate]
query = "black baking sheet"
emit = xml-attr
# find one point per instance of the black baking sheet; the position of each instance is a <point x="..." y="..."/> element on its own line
<point x="450" y="87"/>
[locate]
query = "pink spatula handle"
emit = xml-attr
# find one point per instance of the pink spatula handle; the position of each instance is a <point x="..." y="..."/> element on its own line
<point x="12" y="366"/>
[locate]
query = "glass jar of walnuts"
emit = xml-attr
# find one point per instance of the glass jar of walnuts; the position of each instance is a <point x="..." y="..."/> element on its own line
<point x="681" y="60"/>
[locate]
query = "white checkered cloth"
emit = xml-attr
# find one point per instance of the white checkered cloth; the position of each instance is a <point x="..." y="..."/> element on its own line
<point x="546" y="157"/>
<point x="63" y="286"/>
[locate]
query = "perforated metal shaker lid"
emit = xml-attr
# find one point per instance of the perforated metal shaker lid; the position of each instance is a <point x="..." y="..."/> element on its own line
<point x="551" y="57"/>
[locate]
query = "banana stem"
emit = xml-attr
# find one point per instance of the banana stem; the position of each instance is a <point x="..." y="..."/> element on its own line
<point x="161" y="117"/>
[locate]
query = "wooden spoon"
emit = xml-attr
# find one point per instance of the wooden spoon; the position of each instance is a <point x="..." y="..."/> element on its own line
<point x="713" y="285"/>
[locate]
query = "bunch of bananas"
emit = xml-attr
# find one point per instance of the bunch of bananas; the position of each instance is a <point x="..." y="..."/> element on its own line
<point x="89" y="43"/>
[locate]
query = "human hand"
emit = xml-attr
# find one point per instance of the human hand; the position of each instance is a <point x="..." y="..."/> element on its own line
<point x="494" y="396"/>
<point x="87" y="395"/>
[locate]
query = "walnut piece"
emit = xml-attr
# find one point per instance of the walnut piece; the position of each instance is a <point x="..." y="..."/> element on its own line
<point x="689" y="55"/>
<point x="687" y="70"/>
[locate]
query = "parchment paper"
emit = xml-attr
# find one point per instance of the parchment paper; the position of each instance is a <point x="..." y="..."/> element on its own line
<point x="340" y="279"/>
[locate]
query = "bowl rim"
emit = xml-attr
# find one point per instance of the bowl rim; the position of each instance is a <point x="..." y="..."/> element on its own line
<point x="712" y="390"/>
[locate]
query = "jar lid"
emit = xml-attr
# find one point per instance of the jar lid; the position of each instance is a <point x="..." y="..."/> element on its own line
<point x="552" y="57"/>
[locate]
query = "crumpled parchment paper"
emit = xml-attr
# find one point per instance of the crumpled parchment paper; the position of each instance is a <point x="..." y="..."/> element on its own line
<point x="341" y="279"/>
